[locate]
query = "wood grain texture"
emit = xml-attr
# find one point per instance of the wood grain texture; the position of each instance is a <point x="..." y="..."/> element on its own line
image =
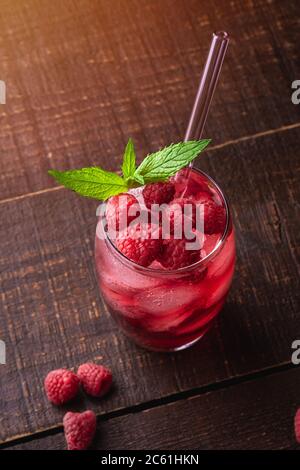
<point x="82" y="76"/>
<point x="254" y="415"/>
<point x="52" y="314"/>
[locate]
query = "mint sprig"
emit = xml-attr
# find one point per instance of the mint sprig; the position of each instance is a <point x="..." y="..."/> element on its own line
<point x="128" y="166"/>
<point x="91" y="182"/>
<point x="96" y="183"/>
<point x="161" y="165"/>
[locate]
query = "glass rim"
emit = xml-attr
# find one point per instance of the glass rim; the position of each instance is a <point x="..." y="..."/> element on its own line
<point x="190" y="267"/>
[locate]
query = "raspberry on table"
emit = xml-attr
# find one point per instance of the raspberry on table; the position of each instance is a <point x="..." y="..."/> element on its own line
<point x="121" y="210"/>
<point x="79" y="429"/>
<point x="61" y="386"/>
<point x="95" y="379"/>
<point x="297" y="425"/>
<point x="140" y="243"/>
<point x="175" y="255"/>
<point x="158" y="193"/>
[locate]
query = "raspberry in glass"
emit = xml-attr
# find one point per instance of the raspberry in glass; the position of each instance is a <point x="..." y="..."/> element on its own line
<point x="158" y="193"/>
<point x="175" y="253"/>
<point x="121" y="210"/>
<point x="140" y="243"/>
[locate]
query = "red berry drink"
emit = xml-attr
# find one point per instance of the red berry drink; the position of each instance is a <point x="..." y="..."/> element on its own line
<point x="164" y="290"/>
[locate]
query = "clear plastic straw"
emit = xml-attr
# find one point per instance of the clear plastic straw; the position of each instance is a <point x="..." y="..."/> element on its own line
<point x="207" y="85"/>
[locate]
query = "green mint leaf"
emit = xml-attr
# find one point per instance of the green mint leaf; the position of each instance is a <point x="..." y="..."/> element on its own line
<point x="159" y="166"/>
<point x="128" y="166"/>
<point x="135" y="181"/>
<point x="91" y="182"/>
<point x="139" y="179"/>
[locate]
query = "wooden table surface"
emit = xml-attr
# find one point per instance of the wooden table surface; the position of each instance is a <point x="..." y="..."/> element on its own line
<point x="82" y="76"/>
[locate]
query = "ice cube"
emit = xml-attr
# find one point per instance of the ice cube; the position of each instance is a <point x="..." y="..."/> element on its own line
<point x="220" y="288"/>
<point x="120" y="303"/>
<point x="165" y="322"/>
<point x="223" y="259"/>
<point x="165" y="299"/>
<point x="210" y="241"/>
<point x="116" y="272"/>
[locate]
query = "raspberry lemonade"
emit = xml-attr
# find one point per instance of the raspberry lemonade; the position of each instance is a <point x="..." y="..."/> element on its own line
<point x="164" y="247"/>
<point x="164" y="295"/>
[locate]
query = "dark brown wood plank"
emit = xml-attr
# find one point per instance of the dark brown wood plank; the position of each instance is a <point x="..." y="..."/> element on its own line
<point x="254" y="415"/>
<point x="84" y="76"/>
<point x="52" y="315"/>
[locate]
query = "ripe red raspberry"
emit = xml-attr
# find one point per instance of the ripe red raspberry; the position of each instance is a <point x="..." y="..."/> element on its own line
<point x="79" y="429"/>
<point x="158" y="193"/>
<point x="179" y="212"/>
<point x="175" y="254"/>
<point x="140" y="243"/>
<point x="121" y="210"/>
<point x="96" y="380"/>
<point x="61" y="386"/>
<point x="297" y="425"/>
<point x="214" y="215"/>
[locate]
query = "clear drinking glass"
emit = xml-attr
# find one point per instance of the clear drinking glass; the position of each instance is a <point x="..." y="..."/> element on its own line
<point x="168" y="310"/>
